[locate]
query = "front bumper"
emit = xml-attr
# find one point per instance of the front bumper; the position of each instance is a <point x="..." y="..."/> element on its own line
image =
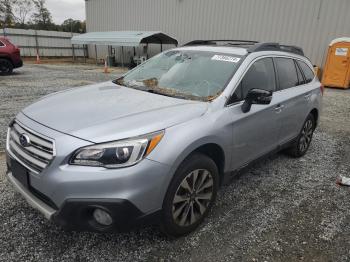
<point x="18" y="64"/>
<point x="76" y="214"/>
<point x="32" y="200"/>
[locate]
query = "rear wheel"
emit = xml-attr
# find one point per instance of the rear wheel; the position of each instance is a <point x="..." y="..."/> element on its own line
<point x="6" y="67"/>
<point x="190" y="195"/>
<point x="303" y="141"/>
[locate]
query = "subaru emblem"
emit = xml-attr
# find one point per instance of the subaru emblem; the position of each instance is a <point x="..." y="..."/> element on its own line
<point x="24" y="140"/>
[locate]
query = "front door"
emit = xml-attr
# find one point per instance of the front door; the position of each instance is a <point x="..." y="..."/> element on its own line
<point x="255" y="132"/>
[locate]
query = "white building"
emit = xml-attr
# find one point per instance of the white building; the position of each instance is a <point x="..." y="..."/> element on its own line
<point x="310" y="24"/>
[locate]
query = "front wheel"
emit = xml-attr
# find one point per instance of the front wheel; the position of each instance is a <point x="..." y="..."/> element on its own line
<point x="6" y="67"/>
<point x="303" y="141"/>
<point x="190" y="195"/>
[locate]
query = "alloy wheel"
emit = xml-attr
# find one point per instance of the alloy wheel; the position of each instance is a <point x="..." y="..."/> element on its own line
<point x="192" y="197"/>
<point x="306" y="135"/>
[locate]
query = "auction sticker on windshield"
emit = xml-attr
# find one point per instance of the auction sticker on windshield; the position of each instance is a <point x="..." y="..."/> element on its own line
<point x="225" y="58"/>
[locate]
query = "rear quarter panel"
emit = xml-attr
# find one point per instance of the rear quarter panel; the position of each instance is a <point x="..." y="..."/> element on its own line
<point x="10" y="52"/>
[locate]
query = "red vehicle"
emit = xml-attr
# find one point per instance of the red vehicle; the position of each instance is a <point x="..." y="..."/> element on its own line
<point x="10" y="56"/>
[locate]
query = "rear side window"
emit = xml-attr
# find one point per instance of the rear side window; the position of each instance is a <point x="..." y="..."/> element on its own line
<point x="308" y="73"/>
<point x="260" y="75"/>
<point x="1" y="44"/>
<point x="300" y="75"/>
<point x="286" y="72"/>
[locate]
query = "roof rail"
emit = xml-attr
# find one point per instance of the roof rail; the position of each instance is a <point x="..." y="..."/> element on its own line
<point x="264" y="46"/>
<point x="293" y="49"/>
<point x="276" y="47"/>
<point x="215" y="42"/>
<point x="252" y="46"/>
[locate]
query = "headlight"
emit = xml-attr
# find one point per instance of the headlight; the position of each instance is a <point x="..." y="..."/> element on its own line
<point x="117" y="154"/>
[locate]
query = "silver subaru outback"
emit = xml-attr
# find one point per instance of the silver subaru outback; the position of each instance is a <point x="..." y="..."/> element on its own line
<point x="154" y="145"/>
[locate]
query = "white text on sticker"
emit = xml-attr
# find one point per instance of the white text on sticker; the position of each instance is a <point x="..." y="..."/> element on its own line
<point x="225" y="58"/>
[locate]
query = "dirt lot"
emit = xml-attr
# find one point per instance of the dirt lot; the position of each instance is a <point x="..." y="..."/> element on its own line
<point x="282" y="209"/>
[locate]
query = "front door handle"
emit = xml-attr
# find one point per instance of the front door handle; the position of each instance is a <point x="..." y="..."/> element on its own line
<point x="279" y="108"/>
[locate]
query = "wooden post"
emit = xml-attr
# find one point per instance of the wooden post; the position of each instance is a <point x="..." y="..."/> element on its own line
<point x="36" y="43"/>
<point x="96" y="54"/>
<point x="108" y="55"/>
<point x="122" y="56"/>
<point x="86" y="49"/>
<point x="73" y="53"/>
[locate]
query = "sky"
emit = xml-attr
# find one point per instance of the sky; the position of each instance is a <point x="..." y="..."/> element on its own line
<point x="64" y="9"/>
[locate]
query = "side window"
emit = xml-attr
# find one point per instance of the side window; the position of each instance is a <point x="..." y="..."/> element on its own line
<point x="260" y="75"/>
<point x="286" y="72"/>
<point x="299" y="74"/>
<point x="308" y="73"/>
<point x="1" y="44"/>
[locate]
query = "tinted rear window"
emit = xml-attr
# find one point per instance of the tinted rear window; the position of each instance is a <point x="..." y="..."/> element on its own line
<point x="300" y="75"/>
<point x="308" y="73"/>
<point x="287" y="73"/>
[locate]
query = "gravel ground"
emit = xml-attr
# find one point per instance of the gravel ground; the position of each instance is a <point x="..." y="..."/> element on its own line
<point x="31" y="82"/>
<point x="280" y="209"/>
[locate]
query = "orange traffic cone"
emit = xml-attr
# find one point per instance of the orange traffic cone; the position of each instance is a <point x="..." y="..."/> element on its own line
<point x="37" y="58"/>
<point x="106" y="67"/>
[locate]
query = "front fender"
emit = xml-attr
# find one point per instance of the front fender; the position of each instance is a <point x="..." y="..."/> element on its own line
<point x="181" y="140"/>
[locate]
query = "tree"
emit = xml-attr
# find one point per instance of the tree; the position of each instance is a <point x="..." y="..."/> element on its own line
<point x="42" y="16"/>
<point x="22" y="10"/>
<point x="16" y="14"/>
<point x="74" y="26"/>
<point x="6" y="13"/>
<point x="2" y="14"/>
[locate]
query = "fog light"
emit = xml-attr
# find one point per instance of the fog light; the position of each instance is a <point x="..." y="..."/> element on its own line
<point x="102" y="217"/>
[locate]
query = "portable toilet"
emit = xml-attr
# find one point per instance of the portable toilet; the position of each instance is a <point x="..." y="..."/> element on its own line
<point x="336" y="71"/>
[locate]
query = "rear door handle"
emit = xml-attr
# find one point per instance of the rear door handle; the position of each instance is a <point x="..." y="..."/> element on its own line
<point x="307" y="96"/>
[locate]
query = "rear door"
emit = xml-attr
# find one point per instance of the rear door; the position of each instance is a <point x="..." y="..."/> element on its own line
<point x="255" y="132"/>
<point x="293" y="96"/>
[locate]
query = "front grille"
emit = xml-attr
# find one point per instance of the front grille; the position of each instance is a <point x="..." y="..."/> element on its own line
<point x="37" y="154"/>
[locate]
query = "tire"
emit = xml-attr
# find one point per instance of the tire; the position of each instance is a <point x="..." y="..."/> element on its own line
<point x="303" y="141"/>
<point x="6" y="67"/>
<point x="197" y="200"/>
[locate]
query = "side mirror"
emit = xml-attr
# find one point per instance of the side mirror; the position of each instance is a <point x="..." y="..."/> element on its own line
<point x="256" y="96"/>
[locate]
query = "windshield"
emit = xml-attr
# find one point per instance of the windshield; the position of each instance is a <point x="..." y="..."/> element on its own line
<point x="196" y="75"/>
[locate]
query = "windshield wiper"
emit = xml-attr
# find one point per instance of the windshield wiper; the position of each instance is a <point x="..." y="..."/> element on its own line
<point x="174" y="93"/>
<point x="163" y="93"/>
<point x="119" y="81"/>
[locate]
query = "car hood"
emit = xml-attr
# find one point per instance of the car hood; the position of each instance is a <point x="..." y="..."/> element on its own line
<point x="106" y="111"/>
